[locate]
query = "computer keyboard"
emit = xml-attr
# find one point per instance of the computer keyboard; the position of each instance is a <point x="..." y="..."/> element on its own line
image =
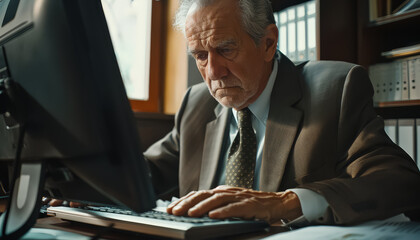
<point x="158" y="223"/>
<point x="156" y="215"/>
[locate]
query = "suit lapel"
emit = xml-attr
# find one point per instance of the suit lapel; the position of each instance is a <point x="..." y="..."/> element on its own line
<point x="282" y="125"/>
<point x="215" y="131"/>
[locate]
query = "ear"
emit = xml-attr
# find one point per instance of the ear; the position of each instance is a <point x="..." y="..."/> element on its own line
<point x="269" y="42"/>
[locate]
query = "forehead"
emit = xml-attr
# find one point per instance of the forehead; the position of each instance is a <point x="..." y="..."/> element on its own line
<point x="217" y="22"/>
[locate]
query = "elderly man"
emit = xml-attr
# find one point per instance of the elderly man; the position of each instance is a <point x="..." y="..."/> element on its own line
<point x="282" y="142"/>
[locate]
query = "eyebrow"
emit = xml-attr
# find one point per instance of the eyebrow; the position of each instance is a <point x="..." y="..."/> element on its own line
<point x="221" y="44"/>
<point x="225" y="43"/>
<point x="192" y="52"/>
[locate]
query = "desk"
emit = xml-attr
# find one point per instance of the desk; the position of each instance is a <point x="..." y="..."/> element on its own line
<point x="84" y="229"/>
<point x="90" y="230"/>
<point x="3" y="204"/>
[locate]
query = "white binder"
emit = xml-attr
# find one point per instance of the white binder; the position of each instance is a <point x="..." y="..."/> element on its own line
<point x="406" y="136"/>
<point x="414" y="78"/>
<point x="404" y="79"/>
<point x="395" y="82"/>
<point x="418" y="142"/>
<point x="391" y="129"/>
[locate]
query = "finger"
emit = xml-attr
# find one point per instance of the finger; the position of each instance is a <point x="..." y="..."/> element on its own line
<point x="246" y="208"/>
<point x="45" y="200"/>
<point x="173" y="204"/>
<point x="215" y="201"/>
<point x="245" y="191"/>
<point x="228" y="188"/>
<point x="76" y="204"/>
<point x="183" y="206"/>
<point x="56" y="202"/>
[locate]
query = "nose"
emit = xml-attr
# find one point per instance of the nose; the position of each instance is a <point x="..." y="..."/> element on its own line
<point x="216" y="67"/>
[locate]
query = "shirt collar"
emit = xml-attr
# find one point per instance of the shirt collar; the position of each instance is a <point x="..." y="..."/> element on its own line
<point x="261" y="106"/>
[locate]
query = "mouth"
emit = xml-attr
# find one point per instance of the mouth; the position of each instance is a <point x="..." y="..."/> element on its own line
<point x="227" y="87"/>
<point x="223" y="89"/>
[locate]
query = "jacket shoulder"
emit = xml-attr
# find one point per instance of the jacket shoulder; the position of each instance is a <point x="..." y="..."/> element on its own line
<point x="334" y="69"/>
<point x="199" y="94"/>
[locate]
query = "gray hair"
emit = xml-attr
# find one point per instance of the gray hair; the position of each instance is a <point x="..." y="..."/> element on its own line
<point x="256" y="15"/>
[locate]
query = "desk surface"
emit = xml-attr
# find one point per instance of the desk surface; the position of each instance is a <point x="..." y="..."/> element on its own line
<point x="110" y="234"/>
<point x="104" y="233"/>
<point x="3" y="204"/>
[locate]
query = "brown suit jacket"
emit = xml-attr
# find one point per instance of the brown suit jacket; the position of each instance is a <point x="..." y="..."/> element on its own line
<point x="322" y="134"/>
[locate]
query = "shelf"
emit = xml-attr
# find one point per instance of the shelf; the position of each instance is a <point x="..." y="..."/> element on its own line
<point x="402" y="52"/>
<point x="390" y="19"/>
<point x="399" y="109"/>
<point x="398" y="104"/>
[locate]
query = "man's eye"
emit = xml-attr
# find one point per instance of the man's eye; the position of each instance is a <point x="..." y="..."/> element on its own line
<point x="201" y="56"/>
<point x="225" y="51"/>
<point x="228" y="53"/>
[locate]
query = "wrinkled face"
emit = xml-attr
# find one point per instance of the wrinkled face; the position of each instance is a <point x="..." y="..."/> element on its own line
<point x="234" y="68"/>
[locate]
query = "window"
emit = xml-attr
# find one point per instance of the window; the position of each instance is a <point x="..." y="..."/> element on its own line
<point x="297" y="31"/>
<point x="135" y="26"/>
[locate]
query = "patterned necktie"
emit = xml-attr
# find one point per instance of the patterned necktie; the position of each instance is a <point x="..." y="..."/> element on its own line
<point x="241" y="159"/>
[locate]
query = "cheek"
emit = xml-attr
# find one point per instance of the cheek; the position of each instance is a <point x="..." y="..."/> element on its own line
<point x="204" y="77"/>
<point x="251" y="75"/>
<point x="247" y="78"/>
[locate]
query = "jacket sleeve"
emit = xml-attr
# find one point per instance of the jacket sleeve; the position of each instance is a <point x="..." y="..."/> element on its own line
<point x="163" y="158"/>
<point x="375" y="178"/>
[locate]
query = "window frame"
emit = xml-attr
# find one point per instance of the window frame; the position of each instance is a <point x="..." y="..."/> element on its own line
<point x="154" y="103"/>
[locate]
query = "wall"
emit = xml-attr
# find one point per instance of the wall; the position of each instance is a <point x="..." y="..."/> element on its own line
<point x="176" y="68"/>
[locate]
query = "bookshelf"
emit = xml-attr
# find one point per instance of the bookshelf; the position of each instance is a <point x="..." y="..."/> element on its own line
<point x="386" y="38"/>
<point x="351" y="31"/>
<point x="396" y="19"/>
<point x="347" y="31"/>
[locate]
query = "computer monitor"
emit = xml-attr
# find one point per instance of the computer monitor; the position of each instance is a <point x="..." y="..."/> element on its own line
<point x="65" y="119"/>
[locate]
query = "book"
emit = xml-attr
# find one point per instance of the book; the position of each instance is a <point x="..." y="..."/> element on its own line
<point x="392" y="78"/>
<point x="404" y="80"/>
<point x="376" y="82"/>
<point x="373" y="10"/>
<point x="414" y="78"/>
<point x="418" y="142"/>
<point x="387" y="81"/>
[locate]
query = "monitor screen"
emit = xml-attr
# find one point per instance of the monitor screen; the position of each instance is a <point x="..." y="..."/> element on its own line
<point x="64" y="106"/>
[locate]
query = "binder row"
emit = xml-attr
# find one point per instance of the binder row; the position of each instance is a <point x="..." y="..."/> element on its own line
<point x="406" y="134"/>
<point x="297" y="31"/>
<point x="397" y="80"/>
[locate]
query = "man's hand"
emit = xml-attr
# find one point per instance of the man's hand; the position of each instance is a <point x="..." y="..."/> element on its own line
<point x="57" y="202"/>
<point x="226" y="202"/>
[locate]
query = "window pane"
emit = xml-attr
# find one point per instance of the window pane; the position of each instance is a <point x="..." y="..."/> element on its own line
<point x="291" y="14"/>
<point x="283" y="35"/>
<point x="311" y="38"/>
<point x="297" y="31"/>
<point x="301" y="11"/>
<point x="129" y="23"/>
<point x="291" y="36"/>
<point x="301" y="36"/>
<point x="311" y="32"/>
<point x="311" y="7"/>
<point x="283" y="17"/>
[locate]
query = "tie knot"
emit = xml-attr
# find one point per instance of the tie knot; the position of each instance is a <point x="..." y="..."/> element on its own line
<point x="244" y="118"/>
